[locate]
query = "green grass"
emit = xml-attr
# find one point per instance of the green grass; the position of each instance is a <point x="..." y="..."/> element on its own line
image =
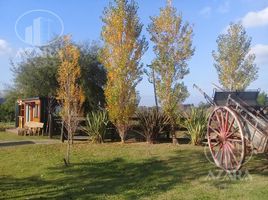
<point x="116" y="171"/>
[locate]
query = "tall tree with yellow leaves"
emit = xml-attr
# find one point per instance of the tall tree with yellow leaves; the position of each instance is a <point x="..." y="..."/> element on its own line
<point x="233" y="61"/>
<point x="121" y="54"/>
<point x="173" y="48"/>
<point x="69" y="93"/>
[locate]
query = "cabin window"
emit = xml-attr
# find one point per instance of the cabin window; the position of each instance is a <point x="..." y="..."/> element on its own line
<point x="36" y="110"/>
<point x="27" y="113"/>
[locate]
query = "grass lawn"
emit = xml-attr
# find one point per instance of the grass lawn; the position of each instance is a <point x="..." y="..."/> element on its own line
<point x="131" y="171"/>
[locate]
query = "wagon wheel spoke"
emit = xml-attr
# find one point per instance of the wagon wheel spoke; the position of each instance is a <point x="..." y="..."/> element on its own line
<point x="229" y="127"/>
<point x="237" y="154"/>
<point x="235" y="145"/>
<point x="235" y="129"/>
<point x="218" y="150"/>
<point x="229" y="164"/>
<point x="214" y="130"/>
<point x="225" y="158"/>
<point x="231" y="145"/>
<point x="219" y="156"/>
<point x="218" y="120"/>
<point x="226" y="139"/>
<point x="222" y="121"/>
<point x="226" y="122"/>
<point x="232" y="153"/>
<point x="222" y="155"/>
<point x="229" y="158"/>
<point x="216" y="144"/>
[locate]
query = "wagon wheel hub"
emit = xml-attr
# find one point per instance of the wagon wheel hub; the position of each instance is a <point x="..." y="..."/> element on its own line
<point x="222" y="138"/>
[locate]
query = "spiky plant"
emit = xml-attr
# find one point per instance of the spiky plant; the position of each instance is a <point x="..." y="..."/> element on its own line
<point x="152" y="123"/>
<point x="195" y="121"/>
<point x="96" y="123"/>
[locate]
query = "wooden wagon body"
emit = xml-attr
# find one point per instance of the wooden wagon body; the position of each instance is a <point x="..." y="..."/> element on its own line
<point x="237" y="126"/>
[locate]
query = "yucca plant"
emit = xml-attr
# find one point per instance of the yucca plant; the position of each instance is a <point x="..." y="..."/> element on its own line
<point x="195" y="121"/>
<point x="152" y="123"/>
<point x="96" y="124"/>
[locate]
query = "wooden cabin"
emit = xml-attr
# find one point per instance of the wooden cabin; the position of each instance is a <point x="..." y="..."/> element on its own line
<point x="31" y="110"/>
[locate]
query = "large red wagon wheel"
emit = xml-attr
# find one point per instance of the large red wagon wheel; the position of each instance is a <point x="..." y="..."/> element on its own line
<point x="225" y="139"/>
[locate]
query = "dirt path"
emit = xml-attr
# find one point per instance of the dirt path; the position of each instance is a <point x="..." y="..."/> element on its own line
<point x="26" y="142"/>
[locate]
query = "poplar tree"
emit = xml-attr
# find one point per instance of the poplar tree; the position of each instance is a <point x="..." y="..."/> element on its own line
<point x="172" y="40"/>
<point x="69" y="93"/>
<point x="233" y="61"/>
<point x="121" y="55"/>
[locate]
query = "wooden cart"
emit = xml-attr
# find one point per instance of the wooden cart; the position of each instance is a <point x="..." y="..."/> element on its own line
<point x="237" y="126"/>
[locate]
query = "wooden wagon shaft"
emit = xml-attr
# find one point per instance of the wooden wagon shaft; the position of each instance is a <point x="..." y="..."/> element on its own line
<point x="209" y="100"/>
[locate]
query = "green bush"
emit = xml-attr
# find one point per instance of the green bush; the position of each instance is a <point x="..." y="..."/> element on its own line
<point x="152" y="123"/>
<point x="6" y="125"/>
<point x="96" y="123"/>
<point x="7" y="112"/>
<point x="262" y="99"/>
<point x="195" y="121"/>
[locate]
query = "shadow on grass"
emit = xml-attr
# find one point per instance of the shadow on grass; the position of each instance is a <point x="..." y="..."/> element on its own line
<point x="15" y="143"/>
<point x="258" y="164"/>
<point x="117" y="177"/>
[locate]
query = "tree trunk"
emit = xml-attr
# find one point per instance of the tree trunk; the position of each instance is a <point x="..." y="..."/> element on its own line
<point x="174" y="139"/>
<point x="122" y="136"/>
<point x="123" y="139"/>
<point x="67" y="157"/>
<point x="155" y="95"/>
<point x="148" y="139"/>
<point x="50" y="127"/>
<point x="173" y="132"/>
<point x="122" y="132"/>
<point x="62" y="132"/>
<point x="68" y="153"/>
<point x="72" y="138"/>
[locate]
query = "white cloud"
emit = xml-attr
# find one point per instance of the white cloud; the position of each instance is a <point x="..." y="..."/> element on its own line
<point x="261" y="52"/>
<point x="4" y="47"/>
<point x="206" y="11"/>
<point x="255" y="19"/>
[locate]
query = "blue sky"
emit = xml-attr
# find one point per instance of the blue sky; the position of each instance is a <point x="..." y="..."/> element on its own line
<point x="82" y="19"/>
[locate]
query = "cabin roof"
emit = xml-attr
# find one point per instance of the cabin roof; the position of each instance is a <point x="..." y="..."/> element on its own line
<point x="32" y="99"/>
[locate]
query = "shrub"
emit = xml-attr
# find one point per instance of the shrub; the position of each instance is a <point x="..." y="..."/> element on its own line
<point x="152" y="123"/>
<point x="6" y="125"/>
<point x="7" y="113"/>
<point x="195" y="121"/>
<point x="96" y="123"/>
